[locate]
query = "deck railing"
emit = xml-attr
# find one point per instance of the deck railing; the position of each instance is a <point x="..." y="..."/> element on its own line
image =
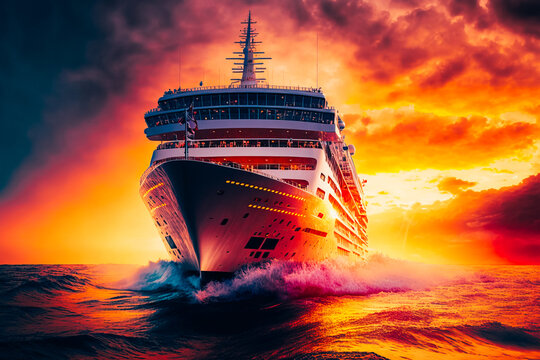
<point x="230" y="143"/>
<point x="258" y="86"/>
<point x="228" y="164"/>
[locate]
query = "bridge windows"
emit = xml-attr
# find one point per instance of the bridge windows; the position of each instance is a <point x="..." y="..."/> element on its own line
<point x="271" y="99"/>
<point x="233" y="113"/>
<point x="206" y="100"/>
<point x="252" y="99"/>
<point x="244" y="99"/>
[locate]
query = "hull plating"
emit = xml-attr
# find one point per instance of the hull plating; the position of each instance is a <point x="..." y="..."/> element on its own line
<point x="214" y="218"/>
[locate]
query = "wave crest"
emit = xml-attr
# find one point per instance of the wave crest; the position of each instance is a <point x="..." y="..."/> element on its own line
<point x="160" y="276"/>
<point x="289" y="279"/>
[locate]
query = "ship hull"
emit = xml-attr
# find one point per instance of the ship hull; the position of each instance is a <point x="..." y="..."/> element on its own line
<point x="214" y="219"/>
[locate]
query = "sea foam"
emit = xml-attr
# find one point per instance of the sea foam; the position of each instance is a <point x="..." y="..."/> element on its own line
<point x="290" y="279"/>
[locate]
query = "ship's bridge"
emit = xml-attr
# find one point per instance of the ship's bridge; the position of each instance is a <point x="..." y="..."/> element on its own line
<point x="244" y="111"/>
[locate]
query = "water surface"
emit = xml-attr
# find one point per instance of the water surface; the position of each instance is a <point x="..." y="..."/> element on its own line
<point x="382" y="309"/>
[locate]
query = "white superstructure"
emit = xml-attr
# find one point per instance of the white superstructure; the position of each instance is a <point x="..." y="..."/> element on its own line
<point x="267" y="174"/>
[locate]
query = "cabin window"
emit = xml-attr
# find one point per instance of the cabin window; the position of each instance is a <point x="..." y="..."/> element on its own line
<point x="242" y="99"/>
<point x="289" y="100"/>
<point x="254" y="243"/>
<point x="224" y="99"/>
<point x="253" y="113"/>
<point x="234" y="113"/>
<point x="206" y="100"/>
<point x="269" y="244"/>
<point x="224" y="113"/>
<point x="244" y="113"/>
<point x="262" y="114"/>
<point x="252" y="99"/>
<point x="298" y="101"/>
<point x="170" y="241"/>
<point x="320" y="193"/>
<point x="323" y="178"/>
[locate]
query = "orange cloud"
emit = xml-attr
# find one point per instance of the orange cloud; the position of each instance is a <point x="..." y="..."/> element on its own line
<point x="404" y="140"/>
<point x="454" y="185"/>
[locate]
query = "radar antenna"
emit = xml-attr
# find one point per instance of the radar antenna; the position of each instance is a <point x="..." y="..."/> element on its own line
<point x="246" y="60"/>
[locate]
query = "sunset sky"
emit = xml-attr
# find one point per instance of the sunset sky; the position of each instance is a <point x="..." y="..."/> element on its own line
<point x="440" y="98"/>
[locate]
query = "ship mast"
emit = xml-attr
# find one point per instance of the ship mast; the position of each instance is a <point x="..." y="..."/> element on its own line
<point x="247" y="62"/>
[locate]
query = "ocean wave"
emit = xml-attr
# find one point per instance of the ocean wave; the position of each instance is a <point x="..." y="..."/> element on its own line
<point x="502" y="335"/>
<point x="46" y="284"/>
<point x="288" y="279"/>
<point x="101" y="345"/>
<point x="159" y="277"/>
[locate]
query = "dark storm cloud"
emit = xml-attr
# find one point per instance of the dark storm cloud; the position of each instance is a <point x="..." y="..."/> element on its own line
<point x="44" y="44"/>
<point x="472" y="225"/>
<point x="519" y="15"/>
<point x="130" y="28"/>
<point x="511" y="215"/>
<point x="508" y="217"/>
<point x="385" y="47"/>
<point x="39" y="40"/>
<point x="514" y="209"/>
<point x="62" y="61"/>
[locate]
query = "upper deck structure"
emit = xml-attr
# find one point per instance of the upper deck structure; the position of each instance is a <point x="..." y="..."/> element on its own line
<point x="280" y="146"/>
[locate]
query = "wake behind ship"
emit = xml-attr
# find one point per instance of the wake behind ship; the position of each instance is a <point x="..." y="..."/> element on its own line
<point x="250" y="172"/>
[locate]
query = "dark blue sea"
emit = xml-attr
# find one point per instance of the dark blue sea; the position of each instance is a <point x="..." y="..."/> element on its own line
<point x="381" y="309"/>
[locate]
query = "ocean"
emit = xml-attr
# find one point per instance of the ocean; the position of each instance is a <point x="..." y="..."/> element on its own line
<point x="381" y="309"/>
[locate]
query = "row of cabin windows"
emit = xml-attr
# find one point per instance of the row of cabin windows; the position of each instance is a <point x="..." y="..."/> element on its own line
<point x="243" y="143"/>
<point x="225" y="99"/>
<point x="244" y="113"/>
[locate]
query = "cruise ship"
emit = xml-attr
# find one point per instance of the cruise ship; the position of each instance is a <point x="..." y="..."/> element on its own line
<point x="251" y="172"/>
